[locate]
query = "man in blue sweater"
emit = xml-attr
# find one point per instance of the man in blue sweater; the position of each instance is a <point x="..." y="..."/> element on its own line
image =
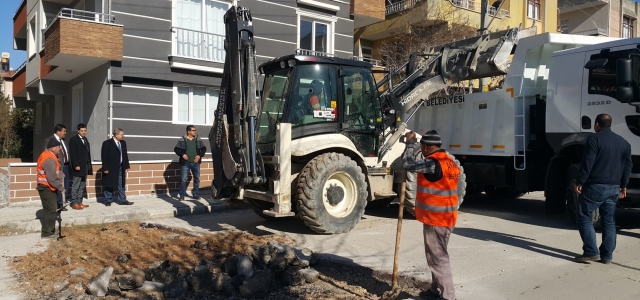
<point x="603" y="178"/>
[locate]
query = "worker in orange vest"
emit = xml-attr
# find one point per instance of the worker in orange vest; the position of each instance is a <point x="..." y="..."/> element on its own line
<point x="49" y="181"/>
<point x="436" y="206"/>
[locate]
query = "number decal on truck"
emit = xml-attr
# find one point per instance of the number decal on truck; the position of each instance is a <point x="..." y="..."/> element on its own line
<point x="598" y="102"/>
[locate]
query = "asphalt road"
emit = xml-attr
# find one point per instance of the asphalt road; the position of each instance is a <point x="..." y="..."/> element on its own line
<point x="499" y="249"/>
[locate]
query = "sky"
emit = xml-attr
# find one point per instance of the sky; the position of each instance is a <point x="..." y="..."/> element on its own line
<point x="7" y="9"/>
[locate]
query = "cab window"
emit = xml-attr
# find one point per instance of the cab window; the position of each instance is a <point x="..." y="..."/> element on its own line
<point x="314" y="95"/>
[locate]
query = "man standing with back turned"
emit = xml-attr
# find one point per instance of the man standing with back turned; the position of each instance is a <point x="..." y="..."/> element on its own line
<point x="191" y="150"/>
<point x="436" y="206"/>
<point x="603" y="178"/>
<point x="49" y="183"/>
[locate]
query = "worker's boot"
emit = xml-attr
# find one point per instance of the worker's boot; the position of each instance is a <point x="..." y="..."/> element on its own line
<point x="429" y="295"/>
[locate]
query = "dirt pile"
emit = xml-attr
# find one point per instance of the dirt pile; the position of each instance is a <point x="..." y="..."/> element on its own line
<point x="148" y="261"/>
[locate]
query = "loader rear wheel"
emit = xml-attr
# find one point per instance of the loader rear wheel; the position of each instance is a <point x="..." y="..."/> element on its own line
<point x="332" y="193"/>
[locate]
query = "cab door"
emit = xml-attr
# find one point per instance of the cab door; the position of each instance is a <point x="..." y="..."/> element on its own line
<point x="361" y="111"/>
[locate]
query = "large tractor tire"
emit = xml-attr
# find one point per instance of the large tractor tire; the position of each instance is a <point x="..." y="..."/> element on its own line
<point x="332" y="193"/>
<point x="571" y="197"/>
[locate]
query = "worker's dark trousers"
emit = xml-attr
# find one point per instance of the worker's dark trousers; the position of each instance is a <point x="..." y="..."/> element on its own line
<point x="49" y="207"/>
<point x="436" y="239"/>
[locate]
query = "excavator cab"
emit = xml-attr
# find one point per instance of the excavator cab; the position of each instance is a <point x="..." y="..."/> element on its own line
<point x="320" y="95"/>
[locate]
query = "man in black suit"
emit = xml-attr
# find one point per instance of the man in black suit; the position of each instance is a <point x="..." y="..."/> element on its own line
<point x="115" y="164"/>
<point x="59" y="133"/>
<point x="80" y="165"/>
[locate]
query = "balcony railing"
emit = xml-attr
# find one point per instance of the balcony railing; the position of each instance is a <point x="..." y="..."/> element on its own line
<point x="476" y="6"/>
<point x="83" y="15"/>
<point x="199" y="44"/>
<point x="574" y="3"/>
<point x="400" y="6"/>
<point x="312" y="53"/>
<point x="374" y="62"/>
<point x="593" y="32"/>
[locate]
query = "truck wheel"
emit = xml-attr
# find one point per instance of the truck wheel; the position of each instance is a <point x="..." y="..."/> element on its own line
<point x="258" y="206"/>
<point x="572" y="197"/>
<point x="503" y="192"/>
<point x="332" y="193"/>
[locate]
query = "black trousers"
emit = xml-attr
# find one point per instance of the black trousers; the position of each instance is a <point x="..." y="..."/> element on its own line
<point x="49" y="207"/>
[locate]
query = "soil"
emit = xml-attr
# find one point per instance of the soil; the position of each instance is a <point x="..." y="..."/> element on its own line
<point x="95" y="247"/>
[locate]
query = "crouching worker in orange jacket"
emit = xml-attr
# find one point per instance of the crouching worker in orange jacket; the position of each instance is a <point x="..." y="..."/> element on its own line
<point x="50" y="180"/>
<point x="438" y="196"/>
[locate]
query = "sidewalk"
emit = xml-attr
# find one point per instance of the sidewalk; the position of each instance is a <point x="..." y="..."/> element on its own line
<point x="26" y="217"/>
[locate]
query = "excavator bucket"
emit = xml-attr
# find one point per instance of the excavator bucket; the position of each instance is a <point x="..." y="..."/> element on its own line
<point x="473" y="58"/>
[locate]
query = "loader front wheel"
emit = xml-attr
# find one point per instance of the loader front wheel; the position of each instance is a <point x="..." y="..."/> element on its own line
<point x="332" y="193"/>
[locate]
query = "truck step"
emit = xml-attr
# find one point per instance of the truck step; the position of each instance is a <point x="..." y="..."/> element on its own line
<point x="260" y="195"/>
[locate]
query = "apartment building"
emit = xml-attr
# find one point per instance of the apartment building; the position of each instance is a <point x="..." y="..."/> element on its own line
<point x="398" y="17"/>
<point x="613" y="18"/>
<point x="151" y="67"/>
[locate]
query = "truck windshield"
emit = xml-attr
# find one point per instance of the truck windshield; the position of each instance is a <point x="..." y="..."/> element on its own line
<point x="273" y="103"/>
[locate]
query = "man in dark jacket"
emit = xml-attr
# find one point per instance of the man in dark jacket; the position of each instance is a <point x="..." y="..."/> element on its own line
<point x="59" y="133"/>
<point x="115" y="164"/>
<point x="191" y="150"/>
<point x="80" y="165"/>
<point x="603" y="178"/>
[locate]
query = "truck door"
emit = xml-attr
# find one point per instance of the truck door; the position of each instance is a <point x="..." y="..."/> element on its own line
<point x="361" y="109"/>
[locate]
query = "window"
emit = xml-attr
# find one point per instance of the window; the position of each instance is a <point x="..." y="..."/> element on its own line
<point x="33" y="38"/>
<point x="602" y="72"/>
<point x="273" y="101"/>
<point x="315" y="33"/>
<point x="199" y="29"/>
<point x="38" y="117"/>
<point x="627" y="27"/>
<point x="367" y="52"/>
<point x="314" y="93"/>
<point x="194" y="104"/>
<point x="533" y="9"/>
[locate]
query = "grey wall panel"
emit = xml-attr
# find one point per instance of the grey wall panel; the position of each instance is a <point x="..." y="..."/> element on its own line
<point x="344" y="27"/>
<point x="133" y="111"/>
<point x="160" y="129"/>
<point x="275" y="31"/>
<point x="273" y="48"/>
<point x="129" y="94"/>
<point x="143" y="48"/>
<point x="273" y="12"/>
<point x="151" y="8"/>
<point x="162" y="71"/>
<point x="145" y="27"/>
<point x="153" y="144"/>
<point x="344" y="43"/>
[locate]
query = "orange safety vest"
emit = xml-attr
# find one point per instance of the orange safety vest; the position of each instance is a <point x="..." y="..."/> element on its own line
<point x="42" y="177"/>
<point x="437" y="202"/>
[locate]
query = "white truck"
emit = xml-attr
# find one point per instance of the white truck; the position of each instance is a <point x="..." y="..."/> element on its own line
<point x="529" y="135"/>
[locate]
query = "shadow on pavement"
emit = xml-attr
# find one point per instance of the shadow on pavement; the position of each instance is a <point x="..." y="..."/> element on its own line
<point x="514" y="240"/>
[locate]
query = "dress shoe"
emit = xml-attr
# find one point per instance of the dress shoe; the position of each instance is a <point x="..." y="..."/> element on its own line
<point x="126" y="203"/>
<point x="196" y="197"/>
<point x="84" y="205"/>
<point x="77" y="206"/>
<point x="107" y="204"/>
<point x="181" y="198"/>
<point x="64" y="208"/>
<point x="583" y="258"/>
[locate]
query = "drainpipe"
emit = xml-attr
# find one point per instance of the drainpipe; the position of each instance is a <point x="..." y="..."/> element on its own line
<point x="110" y="83"/>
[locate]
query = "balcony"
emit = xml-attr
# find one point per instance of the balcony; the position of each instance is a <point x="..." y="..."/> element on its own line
<point x="474" y="5"/>
<point x="593" y="32"/>
<point x="367" y="12"/>
<point x="20" y="81"/>
<point x="567" y="6"/>
<point x="400" y="6"/>
<point x="201" y="45"/>
<point x="20" y="27"/>
<point x="77" y="41"/>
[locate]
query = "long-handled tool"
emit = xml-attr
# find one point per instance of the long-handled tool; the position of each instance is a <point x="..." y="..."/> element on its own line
<point x="59" y="212"/>
<point x="394" y="292"/>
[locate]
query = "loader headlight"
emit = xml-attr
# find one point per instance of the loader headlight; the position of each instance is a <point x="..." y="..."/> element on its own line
<point x="291" y="63"/>
<point x="283" y="64"/>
